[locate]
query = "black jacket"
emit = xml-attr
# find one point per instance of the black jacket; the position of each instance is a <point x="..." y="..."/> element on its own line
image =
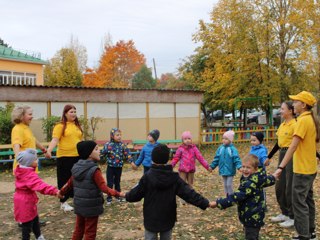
<point x="88" y="198"/>
<point x="159" y="187"/>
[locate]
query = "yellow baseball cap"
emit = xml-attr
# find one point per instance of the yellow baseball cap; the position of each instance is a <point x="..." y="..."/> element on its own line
<point x="305" y="97"/>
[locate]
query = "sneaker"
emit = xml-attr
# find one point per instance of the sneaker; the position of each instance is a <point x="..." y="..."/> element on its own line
<point x="109" y="203"/>
<point x="41" y="237"/>
<point x="288" y="223"/>
<point x="279" y="218"/>
<point x="297" y="237"/>
<point x="66" y="207"/>
<point x="313" y="236"/>
<point x="121" y="199"/>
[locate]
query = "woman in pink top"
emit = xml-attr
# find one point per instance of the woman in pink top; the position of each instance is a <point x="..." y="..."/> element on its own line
<point x="25" y="198"/>
<point x="187" y="154"/>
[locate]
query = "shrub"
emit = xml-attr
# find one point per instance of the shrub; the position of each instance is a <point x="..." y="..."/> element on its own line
<point x="48" y="124"/>
<point x="5" y="123"/>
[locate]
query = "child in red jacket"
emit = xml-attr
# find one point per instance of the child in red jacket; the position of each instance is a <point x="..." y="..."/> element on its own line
<point x="25" y="199"/>
<point x="88" y="184"/>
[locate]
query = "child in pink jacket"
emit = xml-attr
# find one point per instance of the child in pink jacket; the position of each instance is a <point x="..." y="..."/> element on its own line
<point x="187" y="154"/>
<point x="25" y="198"/>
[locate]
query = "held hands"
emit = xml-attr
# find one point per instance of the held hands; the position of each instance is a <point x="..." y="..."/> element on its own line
<point x="213" y="204"/>
<point x="267" y="162"/>
<point x="210" y="169"/>
<point x="48" y="155"/>
<point x="277" y="173"/>
<point x="134" y="167"/>
<point x="58" y="195"/>
<point x="122" y="194"/>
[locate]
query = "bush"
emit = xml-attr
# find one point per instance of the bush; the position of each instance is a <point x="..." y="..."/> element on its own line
<point x="5" y="123"/>
<point x="48" y="125"/>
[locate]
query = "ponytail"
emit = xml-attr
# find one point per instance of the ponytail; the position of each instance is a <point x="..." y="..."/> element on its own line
<point x="316" y="123"/>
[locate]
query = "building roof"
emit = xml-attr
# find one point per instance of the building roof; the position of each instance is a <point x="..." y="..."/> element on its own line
<point x="14" y="55"/>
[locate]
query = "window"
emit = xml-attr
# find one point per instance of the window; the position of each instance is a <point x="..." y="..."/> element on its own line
<point x="17" y="78"/>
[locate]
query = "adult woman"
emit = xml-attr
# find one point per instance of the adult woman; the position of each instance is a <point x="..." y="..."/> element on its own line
<point x="303" y="148"/>
<point x="66" y="135"/>
<point x="21" y="134"/>
<point x="284" y="186"/>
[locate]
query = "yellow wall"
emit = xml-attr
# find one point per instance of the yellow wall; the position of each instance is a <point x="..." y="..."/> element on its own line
<point x="8" y="65"/>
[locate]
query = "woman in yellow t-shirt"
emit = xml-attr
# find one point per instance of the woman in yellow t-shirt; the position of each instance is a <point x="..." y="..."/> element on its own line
<point x="66" y="135"/>
<point x="283" y="187"/>
<point x="303" y="148"/>
<point x="21" y="134"/>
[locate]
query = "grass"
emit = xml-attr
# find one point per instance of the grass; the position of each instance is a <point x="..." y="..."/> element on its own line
<point x="124" y="220"/>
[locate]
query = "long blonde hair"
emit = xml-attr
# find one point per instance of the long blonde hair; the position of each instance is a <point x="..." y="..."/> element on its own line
<point x="18" y="113"/>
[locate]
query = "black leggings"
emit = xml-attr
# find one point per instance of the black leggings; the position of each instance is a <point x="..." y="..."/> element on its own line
<point x="31" y="225"/>
<point x="64" y="166"/>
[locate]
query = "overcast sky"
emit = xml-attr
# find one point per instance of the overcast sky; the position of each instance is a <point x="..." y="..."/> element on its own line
<point x="161" y="29"/>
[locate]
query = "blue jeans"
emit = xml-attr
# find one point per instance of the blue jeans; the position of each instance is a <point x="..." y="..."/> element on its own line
<point x="154" y="235"/>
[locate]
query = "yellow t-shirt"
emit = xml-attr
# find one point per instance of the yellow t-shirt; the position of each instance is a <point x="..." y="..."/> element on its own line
<point x="304" y="158"/>
<point x="285" y="133"/>
<point x="21" y="134"/>
<point x="67" y="146"/>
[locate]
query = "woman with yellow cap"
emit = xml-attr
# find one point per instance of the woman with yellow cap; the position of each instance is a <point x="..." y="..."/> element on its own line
<point x="302" y="148"/>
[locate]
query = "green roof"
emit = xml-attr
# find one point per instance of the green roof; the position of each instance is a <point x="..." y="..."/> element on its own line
<point x="11" y="54"/>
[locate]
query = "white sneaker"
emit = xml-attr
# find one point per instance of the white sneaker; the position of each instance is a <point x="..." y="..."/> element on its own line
<point x="288" y="223"/>
<point x="41" y="237"/>
<point x="279" y="218"/>
<point x="66" y="207"/>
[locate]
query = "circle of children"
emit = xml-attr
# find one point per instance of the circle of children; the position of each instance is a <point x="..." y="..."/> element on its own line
<point x="159" y="185"/>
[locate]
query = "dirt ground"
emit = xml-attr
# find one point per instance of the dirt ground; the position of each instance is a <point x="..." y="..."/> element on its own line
<point x="125" y="221"/>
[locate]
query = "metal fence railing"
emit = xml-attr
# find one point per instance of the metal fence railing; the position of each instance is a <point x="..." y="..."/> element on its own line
<point x="214" y="135"/>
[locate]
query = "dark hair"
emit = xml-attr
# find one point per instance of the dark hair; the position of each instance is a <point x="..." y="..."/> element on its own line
<point x="64" y="118"/>
<point x="316" y="122"/>
<point x="290" y="107"/>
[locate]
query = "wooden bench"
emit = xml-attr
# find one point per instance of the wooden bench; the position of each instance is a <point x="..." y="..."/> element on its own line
<point x="172" y="144"/>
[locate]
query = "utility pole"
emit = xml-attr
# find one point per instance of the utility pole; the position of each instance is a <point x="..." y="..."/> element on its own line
<point x="154" y="67"/>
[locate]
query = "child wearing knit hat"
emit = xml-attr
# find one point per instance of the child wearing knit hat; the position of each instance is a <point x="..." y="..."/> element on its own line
<point x="25" y="199"/>
<point x="258" y="149"/>
<point x="228" y="160"/>
<point x="186" y="155"/>
<point x="145" y="154"/>
<point x="88" y="184"/>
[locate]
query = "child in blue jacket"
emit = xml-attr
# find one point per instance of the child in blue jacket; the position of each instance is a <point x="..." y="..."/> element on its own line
<point x="258" y="149"/>
<point x="145" y="154"/>
<point x="115" y="152"/>
<point x="249" y="197"/>
<point x="228" y="160"/>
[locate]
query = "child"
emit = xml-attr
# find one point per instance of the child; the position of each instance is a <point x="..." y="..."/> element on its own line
<point x="187" y="154"/>
<point x="145" y="155"/>
<point x="116" y="152"/>
<point x="258" y="149"/>
<point x="159" y="187"/>
<point x="87" y="183"/>
<point x="25" y="199"/>
<point x="228" y="160"/>
<point x="249" y="197"/>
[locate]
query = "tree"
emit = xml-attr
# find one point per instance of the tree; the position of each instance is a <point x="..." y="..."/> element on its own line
<point x="118" y="64"/>
<point x="63" y="69"/>
<point x="2" y="43"/>
<point x="171" y="81"/>
<point x="80" y="52"/>
<point x="253" y="49"/>
<point x="143" y="78"/>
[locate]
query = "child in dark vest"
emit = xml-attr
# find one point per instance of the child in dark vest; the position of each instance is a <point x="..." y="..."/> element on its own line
<point x="159" y="187"/>
<point x="88" y="184"/>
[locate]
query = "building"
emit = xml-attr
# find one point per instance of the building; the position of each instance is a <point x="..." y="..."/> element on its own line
<point x="134" y="111"/>
<point x="18" y="68"/>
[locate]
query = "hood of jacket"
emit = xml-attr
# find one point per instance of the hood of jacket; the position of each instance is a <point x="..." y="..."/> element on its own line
<point x="162" y="176"/>
<point x="80" y="169"/>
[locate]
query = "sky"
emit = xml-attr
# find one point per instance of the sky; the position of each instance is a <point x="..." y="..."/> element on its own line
<point x="161" y="29"/>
